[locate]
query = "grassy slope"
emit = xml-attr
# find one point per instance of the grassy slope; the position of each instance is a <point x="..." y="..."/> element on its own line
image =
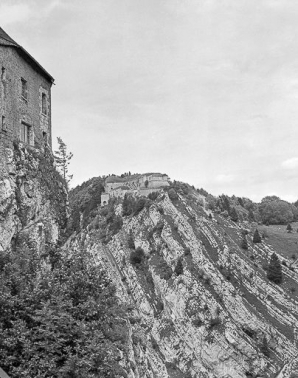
<point x="280" y="240"/>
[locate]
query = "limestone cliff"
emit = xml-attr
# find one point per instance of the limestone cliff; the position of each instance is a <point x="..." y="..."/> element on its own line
<point x="215" y="316"/>
<point x="33" y="199"/>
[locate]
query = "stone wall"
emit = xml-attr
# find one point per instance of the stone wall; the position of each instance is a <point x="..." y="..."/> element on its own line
<point x="16" y="108"/>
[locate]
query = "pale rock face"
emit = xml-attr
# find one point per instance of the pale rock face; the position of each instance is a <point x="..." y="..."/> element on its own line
<point x="27" y="208"/>
<point x="180" y="333"/>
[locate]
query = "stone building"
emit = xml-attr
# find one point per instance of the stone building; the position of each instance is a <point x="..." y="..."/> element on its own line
<point x="139" y="184"/>
<point x="25" y="96"/>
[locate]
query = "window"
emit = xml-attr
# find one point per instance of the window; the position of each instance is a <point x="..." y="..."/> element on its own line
<point x="25" y="133"/>
<point x="24" y="89"/>
<point x="44" y="103"/>
<point x="3" y="73"/>
<point x="45" y="137"/>
<point x="4" y="127"/>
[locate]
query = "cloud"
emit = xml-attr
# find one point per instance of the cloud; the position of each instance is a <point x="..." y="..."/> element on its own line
<point x="291" y="163"/>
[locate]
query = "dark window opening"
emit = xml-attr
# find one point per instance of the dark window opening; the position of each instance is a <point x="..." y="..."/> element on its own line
<point x="3" y="73"/>
<point x="25" y="133"/>
<point x="44" y="103"/>
<point x="45" y="137"/>
<point x="3" y="123"/>
<point x="24" y="89"/>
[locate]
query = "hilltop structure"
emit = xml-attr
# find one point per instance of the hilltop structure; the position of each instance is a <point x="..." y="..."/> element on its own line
<point x="139" y="184"/>
<point x="25" y="96"/>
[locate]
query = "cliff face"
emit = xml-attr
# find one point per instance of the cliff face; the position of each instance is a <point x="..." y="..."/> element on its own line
<point x="197" y="305"/>
<point x="33" y="199"/>
<point x="200" y="306"/>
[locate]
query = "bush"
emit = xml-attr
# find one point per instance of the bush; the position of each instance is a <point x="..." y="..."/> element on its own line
<point x="179" y="267"/>
<point x="214" y="322"/>
<point x="244" y="244"/>
<point x="173" y="195"/>
<point x="128" y="205"/>
<point x="141" y="202"/>
<point x="234" y="215"/>
<point x="160" y="209"/>
<point x="137" y="256"/>
<point x="130" y="242"/>
<point x="256" y="237"/>
<point x="116" y="225"/>
<point x="152" y="196"/>
<point x="274" y="272"/>
<point x="265" y="348"/>
<point x="197" y="322"/>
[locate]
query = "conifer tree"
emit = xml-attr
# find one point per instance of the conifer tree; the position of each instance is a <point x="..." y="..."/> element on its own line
<point x="257" y="237"/>
<point x="274" y="272"/>
<point x="62" y="159"/>
<point x="289" y="227"/>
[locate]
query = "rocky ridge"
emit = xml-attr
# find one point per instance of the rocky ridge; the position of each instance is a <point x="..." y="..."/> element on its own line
<point x="220" y="317"/>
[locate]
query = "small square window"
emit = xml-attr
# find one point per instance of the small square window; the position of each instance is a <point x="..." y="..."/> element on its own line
<point x="44" y="103"/>
<point x="24" y="89"/>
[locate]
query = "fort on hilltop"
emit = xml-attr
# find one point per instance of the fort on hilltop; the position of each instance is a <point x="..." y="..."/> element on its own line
<point x="25" y="97"/>
<point x="139" y="184"/>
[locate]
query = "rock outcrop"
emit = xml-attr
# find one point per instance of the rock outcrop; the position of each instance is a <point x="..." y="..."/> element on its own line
<point x="33" y="207"/>
<point x="218" y="317"/>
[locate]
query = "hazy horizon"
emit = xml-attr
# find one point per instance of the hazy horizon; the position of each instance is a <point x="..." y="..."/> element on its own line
<point x="204" y="91"/>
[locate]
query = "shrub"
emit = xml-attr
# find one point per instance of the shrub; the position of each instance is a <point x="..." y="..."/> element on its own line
<point x="234" y="215"/>
<point x="214" y="322"/>
<point x="141" y="202"/>
<point x="256" y="237"/>
<point x="152" y="196"/>
<point x="197" y="322"/>
<point x="244" y="244"/>
<point x="274" y="272"/>
<point x="250" y="332"/>
<point x="160" y="209"/>
<point x="159" y="305"/>
<point x="116" y="224"/>
<point x="187" y="251"/>
<point x="225" y="214"/>
<point x="130" y="242"/>
<point x="128" y="205"/>
<point x="137" y="256"/>
<point x="179" y="267"/>
<point x="173" y="195"/>
<point x="264" y="347"/>
<point x="289" y="227"/>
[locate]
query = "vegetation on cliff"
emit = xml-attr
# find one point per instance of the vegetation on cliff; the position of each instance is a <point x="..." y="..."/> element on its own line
<point x="59" y="322"/>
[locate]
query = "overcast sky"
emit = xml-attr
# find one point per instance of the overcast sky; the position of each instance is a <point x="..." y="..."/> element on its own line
<point x="203" y="90"/>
